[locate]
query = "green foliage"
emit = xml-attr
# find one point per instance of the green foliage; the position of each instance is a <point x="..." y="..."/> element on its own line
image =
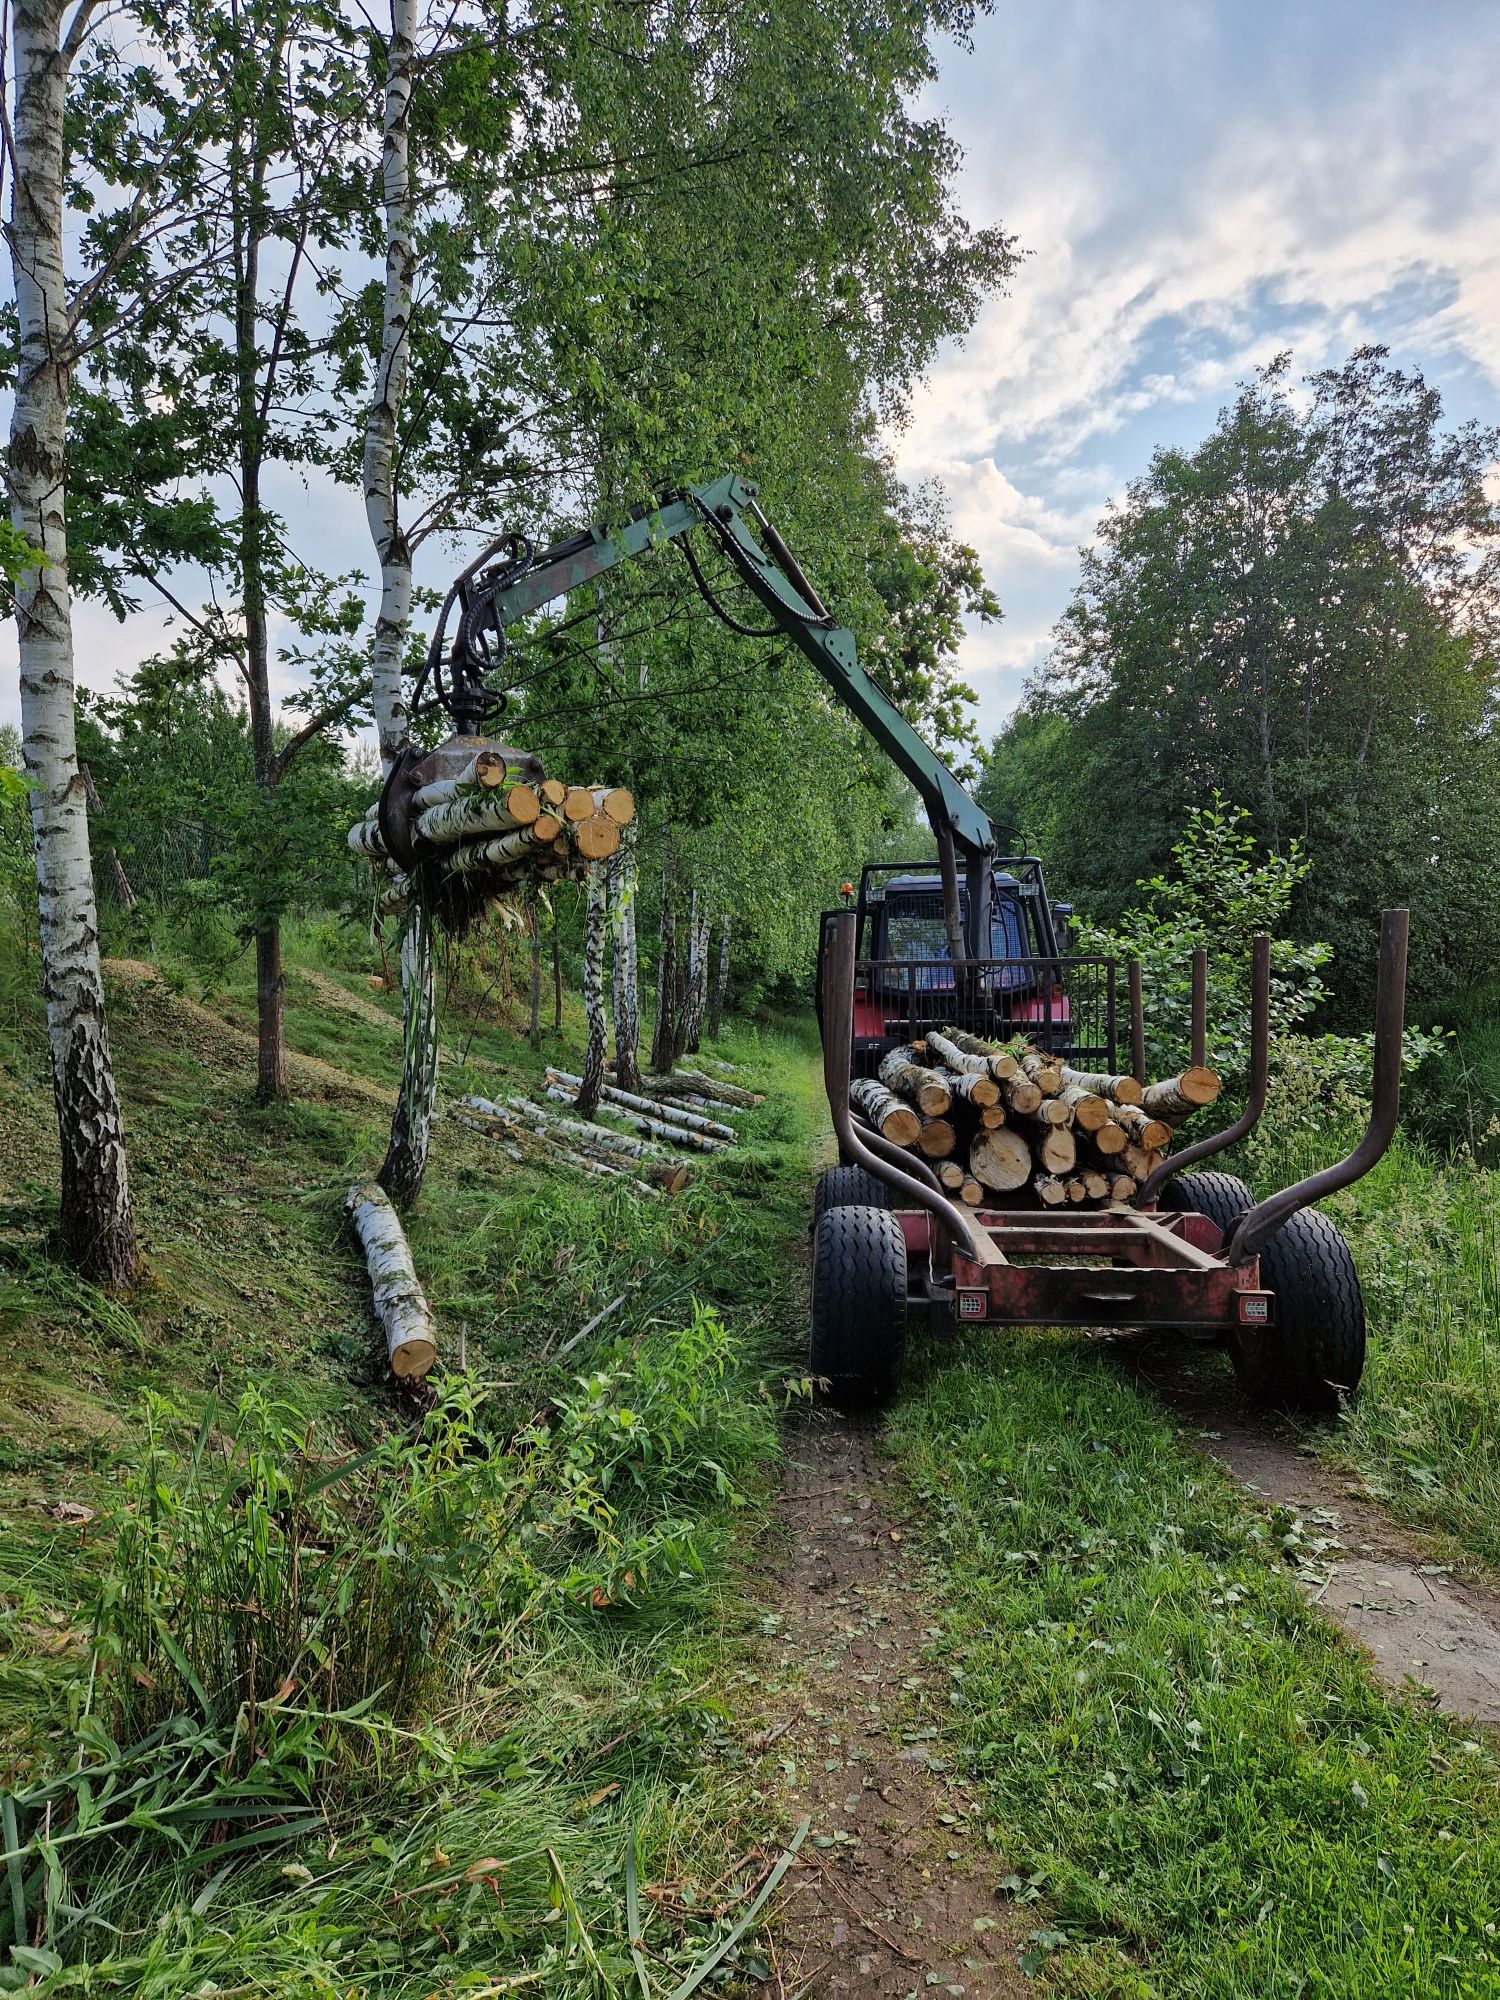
<point x="1220" y="894"/>
<point x="1302" y="613"/>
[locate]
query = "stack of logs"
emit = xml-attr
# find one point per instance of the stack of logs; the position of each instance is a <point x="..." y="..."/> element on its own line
<point x="490" y="835"/>
<point x="675" y="1114"/>
<point x="1002" y="1118"/>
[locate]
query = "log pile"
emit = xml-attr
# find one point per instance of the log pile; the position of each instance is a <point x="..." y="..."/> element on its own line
<point x="1007" y="1119"/>
<point x="484" y="833"/>
<point x="534" y="1132"/>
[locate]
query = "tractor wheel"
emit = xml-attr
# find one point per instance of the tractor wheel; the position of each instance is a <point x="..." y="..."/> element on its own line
<point x="858" y="1304"/>
<point x="849" y="1187"/>
<point x="1221" y="1197"/>
<point x="1314" y="1354"/>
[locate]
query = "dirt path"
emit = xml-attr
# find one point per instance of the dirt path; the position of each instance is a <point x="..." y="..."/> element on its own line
<point x="894" y="1894"/>
<point x="1417" y="1621"/>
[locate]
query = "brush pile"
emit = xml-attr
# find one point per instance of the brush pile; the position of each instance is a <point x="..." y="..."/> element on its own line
<point x="483" y="834"/>
<point x="1004" y="1117"/>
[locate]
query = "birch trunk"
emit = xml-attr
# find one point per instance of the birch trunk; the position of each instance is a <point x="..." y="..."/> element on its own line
<point x="663" y="1040"/>
<point x="400" y="1306"/>
<point x="721" y="982"/>
<point x="534" y="1018"/>
<point x="697" y="983"/>
<point x="595" y="925"/>
<point x="97" y="1230"/>
<point x="411" y="1127"/>
<point x="383" y="415"/>
<point x="625" y="969"/>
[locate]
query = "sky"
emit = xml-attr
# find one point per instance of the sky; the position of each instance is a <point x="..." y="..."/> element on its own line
<point x="1196" y="185"/>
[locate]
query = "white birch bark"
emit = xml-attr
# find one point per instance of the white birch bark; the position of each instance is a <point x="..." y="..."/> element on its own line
<point x="97" y="1231"/>
<point x="622" y="880"/>
<point x="411" y="1127"/>
<point x="595" y="925"/>
<point x="721" y="981"/>
<point x="400" y="1304"/>
<point x="394" y="616"/>
<point x="697" y="980"/>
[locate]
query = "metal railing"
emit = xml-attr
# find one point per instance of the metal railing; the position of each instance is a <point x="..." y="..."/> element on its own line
<point x="1066" y="1006"/>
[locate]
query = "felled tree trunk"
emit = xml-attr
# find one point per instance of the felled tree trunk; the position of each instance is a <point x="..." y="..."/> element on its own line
<point x="400" y="1305"/>
<point x="926" y="1088"/>
<point x="411" y="1128"/>
<point x="1001" y="1160"/>
<point x="653" y="1126"/>
<point x="596" y="923"/>
<point x="625" y="969"/>
<point x="672" y="1114"/>
<point x="1119" y="1089"/>
<point x="96" y="1226"/>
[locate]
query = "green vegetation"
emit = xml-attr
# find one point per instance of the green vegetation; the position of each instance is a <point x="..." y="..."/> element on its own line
<point x="1176" y="1754"/>
<point x="333" y="1692"/>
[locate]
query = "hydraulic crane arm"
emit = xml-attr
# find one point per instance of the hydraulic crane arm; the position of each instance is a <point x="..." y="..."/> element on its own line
<point x="512" y="580"/>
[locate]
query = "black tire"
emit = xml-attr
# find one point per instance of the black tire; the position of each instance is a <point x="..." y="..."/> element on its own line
<point x="1221" y="1197"/>
<point x="849" y="1187"/>
<point x="858" y="1334"/>
<point x="1314" y="1354"/>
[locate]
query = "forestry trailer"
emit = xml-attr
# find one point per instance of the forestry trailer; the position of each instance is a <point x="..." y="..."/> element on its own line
<point x="971" y="960"/>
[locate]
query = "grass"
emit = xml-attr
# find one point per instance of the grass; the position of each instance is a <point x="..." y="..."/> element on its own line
<point x="1424" y="1432"/>
<point x="1191" y="1771"/>
<point x="511" y="1623"/>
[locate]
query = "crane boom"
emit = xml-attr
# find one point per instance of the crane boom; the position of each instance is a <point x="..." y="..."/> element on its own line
<point x="511" y="580"/>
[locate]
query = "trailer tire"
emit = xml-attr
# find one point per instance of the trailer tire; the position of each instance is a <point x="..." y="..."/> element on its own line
<point x="849" y="1187"/>
<point x="1223" y="1198"/>
<point x="1314" y="1354"/>
<point x="858" y="1334"/>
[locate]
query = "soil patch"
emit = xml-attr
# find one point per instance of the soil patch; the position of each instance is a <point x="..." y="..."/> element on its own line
<point x="1419" y="1623"/>
<point x="893" y="1893"/>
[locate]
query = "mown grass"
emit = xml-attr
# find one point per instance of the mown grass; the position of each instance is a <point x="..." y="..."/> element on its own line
<point x="576" y="1600"/>
<point x="1191" y="1771"/>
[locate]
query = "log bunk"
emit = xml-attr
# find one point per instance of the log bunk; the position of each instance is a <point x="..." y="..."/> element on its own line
<point x="1004" y="1118"/>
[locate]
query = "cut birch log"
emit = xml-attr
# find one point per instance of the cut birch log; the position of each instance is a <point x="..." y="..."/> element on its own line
<point x="1151" y="1134"/>
<point x="479" y="813"/>
<point x="708" y="1086"/>
<point x="1122" y="1187"/>
<point x="1043" y="1072"/>
<point x="991" y="1118"/>
<point x="1180" y="1096"/>
<point x="1095" y="1184"/>
<point x="936" y="1139"/>
<point x="1049" y="1189"/>
<point x="653" y="1107"/>
<point x="1001" y="1160"/>
<point x="1089" y="1111"/>
<point x="1052" y="1111"/>
<point x="1110" y="1139"/>
<point x="892" y="1119"/>
<point x="553" y="792"/>
<point x="478" y="857"/>
<point x="486" y="772"/>
<point x="615" y="803"/>
<point x="974" y="1087"/>
<point x="597" y="838"/>
<point x="1119" y="1089"/>
<point x="1074" y="1189"/>
<point x="574" y="1130"/>
<point x="400" y="1305"/>
<point x="908" y="1078"/>
<point x="952" y="1175"/>
<point x="1021" y="1096"/>
<point x="1003" y="1062"/>
<point x="963" y="1061"/>
<point x="578" y="803"/>
<point x="364" y="838"/>
<point x="971" y="1193"/>
<point x="1138" y="1163"/>
<point x="1056" y="1149"/>
<point x="652" y="1126"/>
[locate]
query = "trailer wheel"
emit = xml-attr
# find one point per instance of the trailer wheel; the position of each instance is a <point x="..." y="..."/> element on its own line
<point x="849" y="1187"/>
<point x="1223" y="1198"/>
<point x="858" y="1333"/>
<point x="1314" y="1355"/>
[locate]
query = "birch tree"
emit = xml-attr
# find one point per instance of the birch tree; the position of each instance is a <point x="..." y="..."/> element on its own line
<point x="97" y="1229"/>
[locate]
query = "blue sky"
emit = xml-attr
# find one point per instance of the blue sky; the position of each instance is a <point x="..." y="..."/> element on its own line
<point x="1197" y="186"/>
